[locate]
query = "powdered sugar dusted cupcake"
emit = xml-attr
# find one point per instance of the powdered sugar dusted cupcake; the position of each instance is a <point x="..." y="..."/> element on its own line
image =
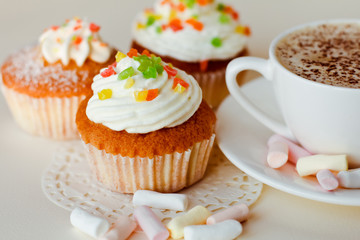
<point x="199" y="36"/>
<point x="146" y="126"/>
<point x="44" y="84"/>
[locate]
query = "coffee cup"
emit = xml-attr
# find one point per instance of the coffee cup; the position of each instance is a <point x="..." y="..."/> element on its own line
<point x="320" y="112"/>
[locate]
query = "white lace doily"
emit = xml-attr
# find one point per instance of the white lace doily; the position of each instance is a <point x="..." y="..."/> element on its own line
<point x="68" y="183"/>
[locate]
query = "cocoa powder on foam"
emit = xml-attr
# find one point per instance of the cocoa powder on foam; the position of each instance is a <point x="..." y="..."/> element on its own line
<point x="328" y="54"/>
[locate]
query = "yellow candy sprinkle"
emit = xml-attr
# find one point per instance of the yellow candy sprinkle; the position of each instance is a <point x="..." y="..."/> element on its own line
<point x="140" y="26"/>
<point x="240" y="29"/>
<point x="179" y="88"/>
<point x="170" y="65"/>
<point x="129" y="83"/>
<point x="157" y="16"/>
<point x="141" y="96"/>
<point x="119" y="56"/>
<point x="105" y="94"/>
<point x="173" y="14"/>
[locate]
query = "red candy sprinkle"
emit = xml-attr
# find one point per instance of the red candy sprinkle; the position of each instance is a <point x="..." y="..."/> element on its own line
<point x="132" y="53"/>
<point x="77" y="40"/>
<point x="113" y="65"/>
<point x="170" y="71"/>
<point x="108" y="72"/>
<point x="93" y="27"/>
<point x="55" y="28"/>
<point x="146" y="52"/>
<point x="202" y="2"/>
<point x="164" y="27"/>
<point x="181" y="82"/>
<point x="152" y="94"/>
<point x="235" y="15"/>
<point x="247" y="31"/>
<point x="176" y="25"/>
<point x="196" y="24"/>
<point x="204" y="65"/>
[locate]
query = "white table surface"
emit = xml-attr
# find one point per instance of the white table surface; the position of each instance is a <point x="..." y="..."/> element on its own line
<point x="25" y="213"/>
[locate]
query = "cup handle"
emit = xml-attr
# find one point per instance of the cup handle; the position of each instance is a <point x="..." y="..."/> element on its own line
<point x="263" y="67"/>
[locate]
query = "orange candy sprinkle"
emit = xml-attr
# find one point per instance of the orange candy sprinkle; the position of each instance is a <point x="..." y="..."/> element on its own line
<point x="181" y="7"/>
<point x="133" y="53"/>
<point x="146" y="52"/>
<point x="152" y="94"/>
<point x="77" y="40"/>
<point x="176" y="25"/>
<point x="77" y="27"/>
<point x="197" y="25"/>
<point x="203" y="2"/>
<point x="181" y="82"/>
<point x="54" y="28"/>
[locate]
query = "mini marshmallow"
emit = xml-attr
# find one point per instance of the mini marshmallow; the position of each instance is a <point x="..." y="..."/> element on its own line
<point x="312" y="164"/>
<point x="88" y="223"/>
<point x="177" y="202"/>
<point x="295" y="151"/>
<point x="278" y="154"/>
<point x="239" y="212"/>
<point x="226" y="230"/>
<point x="150" y="223"/>
<point x="350" y="179"/>
<point x="327" y="180"/>
<point x="194" y="216"/>
<point x="121" y="230"/>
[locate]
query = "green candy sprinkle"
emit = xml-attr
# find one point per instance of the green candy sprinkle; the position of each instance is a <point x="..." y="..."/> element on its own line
<point x="150" y="21"/>
<point x="156" y="59"/>
<point x="144" y="66"/>
<point x="90" y="38"/>
<point x="221" y="7"/>
<point x="216" y="42"/>
<point x="190" y="3"/>
<point x="129" y="72"/>
<point x="150" y="73"/>
<point x="158" y="29"/>
<point x="195" y="16"/>
<point x="224" y="19"/>
<point x="159" y="68"/>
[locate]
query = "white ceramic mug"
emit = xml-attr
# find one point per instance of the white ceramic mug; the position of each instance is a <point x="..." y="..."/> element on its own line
<point x="323" y="118"/>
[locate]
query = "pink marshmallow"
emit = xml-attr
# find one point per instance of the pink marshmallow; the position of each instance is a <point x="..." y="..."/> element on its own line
<point x="120" y="230"/>
<point x="239" y="212"/>
<point x="150" y="223"/>
<point x="327" y="180"/>
<point x="278" y="154"/>
<point x="295" y="151"/>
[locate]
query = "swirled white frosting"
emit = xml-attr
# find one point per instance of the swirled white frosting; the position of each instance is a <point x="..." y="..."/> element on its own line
<point x="123" y="112"/>
<point x="189" y="44"/>
<point x="76" y="39"/>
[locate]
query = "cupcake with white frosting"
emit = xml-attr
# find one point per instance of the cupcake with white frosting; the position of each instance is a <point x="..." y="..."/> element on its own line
<point x="44" y="84"/>
<point x="199" y="36"/>
<point x="146" y="126"/>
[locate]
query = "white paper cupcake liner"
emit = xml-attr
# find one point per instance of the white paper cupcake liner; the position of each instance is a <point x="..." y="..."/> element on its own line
<point x="48" y="117"/>
<point x="213" y="86"/>
<point x="167" y="173"/>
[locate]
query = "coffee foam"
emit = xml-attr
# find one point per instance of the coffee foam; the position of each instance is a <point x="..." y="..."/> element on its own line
<point x="328" y="53"/>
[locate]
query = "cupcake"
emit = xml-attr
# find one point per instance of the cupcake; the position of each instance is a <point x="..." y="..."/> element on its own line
<point x="199" y="36"/>
<point x="146" y="126"/>
<point x="44" y="84"/>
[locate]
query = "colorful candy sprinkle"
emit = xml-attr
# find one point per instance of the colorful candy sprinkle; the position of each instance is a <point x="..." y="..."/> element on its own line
<point x="181" y="7"/>
<point x="140" y="26"/>
<point x="94" y="28"/>
<point x="150" y="72"/>
<point x="129" y="72"/>
<point x="119" y="56"/>
<point x="146" y="52"/>
<point x="180" y="81"/>
<point x="54" y="28"/>
<point x="152" y="94"/>
<point x="150" y="21"/>
<point x="132" y="53"/>
<point x="129" y="83"/>
<point x="179" y="89"/>
<point x="216" y="42"/>
<point x="105" y="94"/>
<point x="245" y="30"/>
<point x="140" y="96"/>
<point x="195" y="24"/>
<point x="224" y="19"/>
<point x="77" y="27"/>
<point x="159" y="29"/>
<point x="220" y="7"/>
<point x="176" y="25"/>
<point x="170" y="71"/>
<point x="77" y="40"/>
<point x="108" y="72"/>
<point x="190" y="3"/>
<point x="203" y="2"/>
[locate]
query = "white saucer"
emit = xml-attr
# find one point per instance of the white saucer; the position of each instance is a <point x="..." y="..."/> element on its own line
<point x="243" y="140"/>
